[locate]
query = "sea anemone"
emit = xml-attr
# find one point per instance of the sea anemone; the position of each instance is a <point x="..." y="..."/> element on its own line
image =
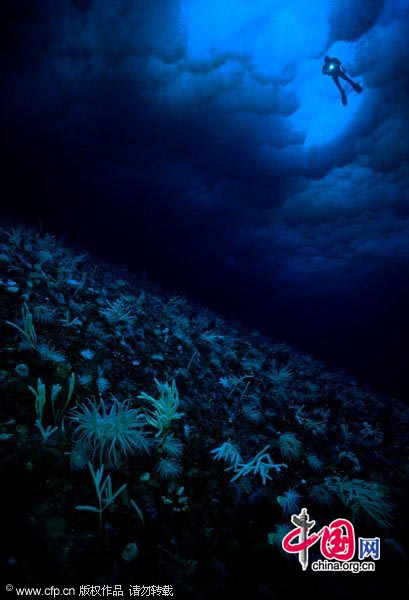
<point x="114" y="431"/>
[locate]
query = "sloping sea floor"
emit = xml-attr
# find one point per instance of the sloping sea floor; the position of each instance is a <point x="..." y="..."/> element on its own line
<point x="102" y="368"/>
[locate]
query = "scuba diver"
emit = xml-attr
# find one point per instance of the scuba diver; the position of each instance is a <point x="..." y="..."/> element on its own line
<point x="334" y="68"/>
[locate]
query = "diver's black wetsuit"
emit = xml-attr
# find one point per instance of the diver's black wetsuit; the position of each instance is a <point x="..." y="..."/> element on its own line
<point x="334" y="68"/>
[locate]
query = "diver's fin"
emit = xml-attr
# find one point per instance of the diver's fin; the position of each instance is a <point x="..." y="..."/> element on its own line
<point x="357" y="87"/>
<point x="344" y="99"/>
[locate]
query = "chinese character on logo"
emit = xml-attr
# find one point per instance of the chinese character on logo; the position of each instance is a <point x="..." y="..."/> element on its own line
<point x="337" y="539"/>
<point x="368" y="547"/>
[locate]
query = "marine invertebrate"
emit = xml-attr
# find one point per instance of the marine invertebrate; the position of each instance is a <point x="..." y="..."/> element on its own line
<point x="314" y="462"/>
<point x="210" y="336"/>
<point x="229" y="453"/>
<point x="67" y="321"/>
<point x="16" y="235"/>
<point x="289" y="501"/>
<point x="113" y="432"/>
<point x="48" y="353"/>
<point x="233" y="383"/>
<point x="290" y="446"/>
<point x="311" y="424"/>
<point x="46" y="433"/>
<point x="168" y="468"/>
<point x="71" y="386"/>
<point x="117" y="312"/>
<point x="40" y="398"/>
<point x="261" y="464"/>
<point x="322" y="495"/>
<point x="28" y="330"/>
<point x="365" y="498"/>
<point x="280" y="378"/>
<point x="164" y="409"/>
<point x="44" y="313"/>
<point x="172" y="446"/>
<point x="252" y="412"/>
<point x="87" y="354"/>
<point x="103" y="489"/>
<point x="22" y="370"/>
<point x="93" y="379"/>
<point x="80" y="456"/>
<point x="351" y="458"/>
<point x="102" y="382"/>
<point x="371" y="433"/>
<point x="280" y="531"/>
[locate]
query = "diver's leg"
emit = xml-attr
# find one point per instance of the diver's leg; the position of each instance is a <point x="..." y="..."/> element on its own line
<point x="354" y="85"/>
<point x="345" y="77"/>
<point x="341" y="89"/>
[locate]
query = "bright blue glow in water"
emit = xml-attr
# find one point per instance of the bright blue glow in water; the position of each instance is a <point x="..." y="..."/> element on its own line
<point x="273" y="39"/>
<point x="321" y="115"/>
